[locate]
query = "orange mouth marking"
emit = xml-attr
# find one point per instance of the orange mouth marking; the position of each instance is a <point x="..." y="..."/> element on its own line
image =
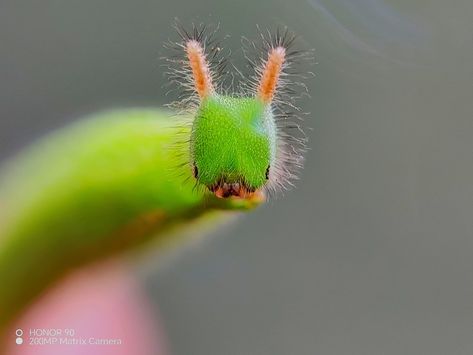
<point x="225" y="190"/>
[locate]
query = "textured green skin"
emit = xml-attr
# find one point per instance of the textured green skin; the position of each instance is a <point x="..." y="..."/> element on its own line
<point x="90" y="190"/>
<point x="233" y="139"/>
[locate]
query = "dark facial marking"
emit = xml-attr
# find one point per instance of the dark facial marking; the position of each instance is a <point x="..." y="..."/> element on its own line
<point x="267" y="173"/>
<point x="224" y="189"/>
<point x="195" y="171"/>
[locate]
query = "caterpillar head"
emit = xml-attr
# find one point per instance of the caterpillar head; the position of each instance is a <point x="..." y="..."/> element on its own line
<point x="232" y="145"/>
<point x="237" y="147"/>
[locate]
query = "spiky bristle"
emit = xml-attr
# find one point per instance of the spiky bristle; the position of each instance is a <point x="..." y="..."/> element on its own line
<point x="196" y="66"/>
<point x="200" y="68"/>
<point x="271" y="73"/>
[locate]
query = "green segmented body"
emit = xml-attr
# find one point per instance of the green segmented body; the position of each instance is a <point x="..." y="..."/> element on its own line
<point x="92" y="189"/>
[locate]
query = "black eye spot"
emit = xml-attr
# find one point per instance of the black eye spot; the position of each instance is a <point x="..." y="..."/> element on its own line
<point x="195" y="171"/>
<point x="267" y="173"/>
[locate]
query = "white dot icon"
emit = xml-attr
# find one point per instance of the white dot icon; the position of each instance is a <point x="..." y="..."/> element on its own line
<point x="19" y="339"/>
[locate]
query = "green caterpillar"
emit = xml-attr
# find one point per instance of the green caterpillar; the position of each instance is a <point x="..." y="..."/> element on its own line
<point x="114" y="180"/>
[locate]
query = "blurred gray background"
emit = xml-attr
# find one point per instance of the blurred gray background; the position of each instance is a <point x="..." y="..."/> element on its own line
<point x="372" y="253"/>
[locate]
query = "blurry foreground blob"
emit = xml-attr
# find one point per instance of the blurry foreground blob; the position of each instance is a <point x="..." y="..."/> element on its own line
<point x="102" y="306"/>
